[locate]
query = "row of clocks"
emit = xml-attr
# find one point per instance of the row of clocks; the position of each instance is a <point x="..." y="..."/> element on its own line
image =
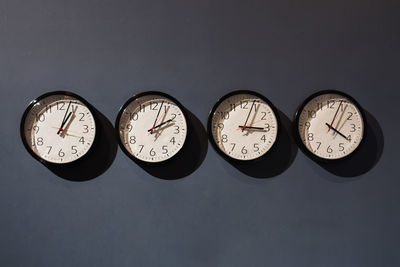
<point x="60" y="127"/>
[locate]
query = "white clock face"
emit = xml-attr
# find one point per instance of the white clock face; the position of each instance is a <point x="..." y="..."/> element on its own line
<point x="330" y="126"/>
<point x="59" y="128"/>
<point x="152" y="128"/>
<point x="244" y="126"/>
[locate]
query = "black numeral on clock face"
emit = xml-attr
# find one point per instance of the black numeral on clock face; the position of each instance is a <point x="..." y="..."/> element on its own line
<point x="350" y="114"/>
<point x="85" y="128"/>
<point x="40" y="117"/>
<point x="39" y="141"/>
<point x="341" y="146"/>
<point x="263" y="138"/>
<point x="133" y="116"/>
<point x="60" y="105"/>
<point x="256" y="147"/>
<point x="153" y="105"/>
<point x="82" y="116"/>
<point x="61" y="153"/>
<point x="233" y="146"/>
<point x="176" y="129"/>
<point x="172" y="140"/>
<point x="263" y="115"/>
<point x="312" y="114"/>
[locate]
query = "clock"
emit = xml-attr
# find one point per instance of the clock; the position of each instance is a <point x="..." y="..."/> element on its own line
<point x="243" y="125"/>
<point x="151" y="127"/>
<point x="58" y="128"/>
<point x="329" y="125"/>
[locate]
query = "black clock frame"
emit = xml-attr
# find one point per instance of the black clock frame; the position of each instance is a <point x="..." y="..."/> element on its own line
<point x="214" y="108"/>
<point x="296" y="126"/>
<point x="130" y="100"/>
<point x="34" y="102"/>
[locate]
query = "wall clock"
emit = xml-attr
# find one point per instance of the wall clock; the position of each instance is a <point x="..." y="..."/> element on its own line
<point x="243" y="125"/>
<point x="329" y="125"/>
<point x="58" y="128"/>
<point x="151" y="127"/>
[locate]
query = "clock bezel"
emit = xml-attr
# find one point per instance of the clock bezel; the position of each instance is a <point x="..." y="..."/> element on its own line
<point x="211" y="115"/>
<point x="297" y="136"/>
<point x="126" y="104"/>
<point x="29" y="108"/>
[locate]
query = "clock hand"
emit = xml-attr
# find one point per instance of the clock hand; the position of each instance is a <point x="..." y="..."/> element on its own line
<point x="152" y="128"/>
<point x="68" y="124"/>
<point x="63" y="120"/>
<point x="65" y="129"/>
<point x="340" y="127"/>
<point x="248" y="115"/>
<point x="253" y="123"/>
<point x="67" y="132"/>
<point x="250" y="127"/>
<point x="337" y="131"/>
<point x="159" y="125"/>
<point x="62" y="124"/>
<point x="341" y="116"/>
<point x="160" y="120"/>
<point x="330" y="126"/>
<point x="255" y="114"/>
<point x="158" y="113"/>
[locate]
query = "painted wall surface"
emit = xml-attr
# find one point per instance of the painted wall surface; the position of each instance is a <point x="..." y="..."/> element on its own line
<point x="288" y="211"/>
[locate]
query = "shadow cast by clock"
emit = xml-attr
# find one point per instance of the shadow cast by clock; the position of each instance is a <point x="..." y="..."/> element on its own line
<point x="98" y="159"/>
<point x="365" y="157"/>
<point x="188" y="159"/>
<point x="277" y="160"/>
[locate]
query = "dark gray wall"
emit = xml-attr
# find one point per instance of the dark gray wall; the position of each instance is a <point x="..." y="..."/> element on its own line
<point x="306" y="214"/>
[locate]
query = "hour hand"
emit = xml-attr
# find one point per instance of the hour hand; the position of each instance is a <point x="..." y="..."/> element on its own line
<point x="250" y="127"/>
<point x="158" y="126"/>
<point x="334" y="129"/>
<point x="61" y="129"/>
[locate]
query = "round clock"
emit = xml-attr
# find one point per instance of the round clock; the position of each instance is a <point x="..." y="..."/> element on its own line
<point x="58" y="128"/>
<point x="243" y="125"/>
<point x="151" y="127"/>
<point x="330" y="125"/>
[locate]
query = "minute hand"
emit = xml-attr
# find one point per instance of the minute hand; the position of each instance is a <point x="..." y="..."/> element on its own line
<point x="334" y="117"/>
<point x="64" y="119"/>
<point x="248" y="115"/>
<point x="330" y="127"/>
